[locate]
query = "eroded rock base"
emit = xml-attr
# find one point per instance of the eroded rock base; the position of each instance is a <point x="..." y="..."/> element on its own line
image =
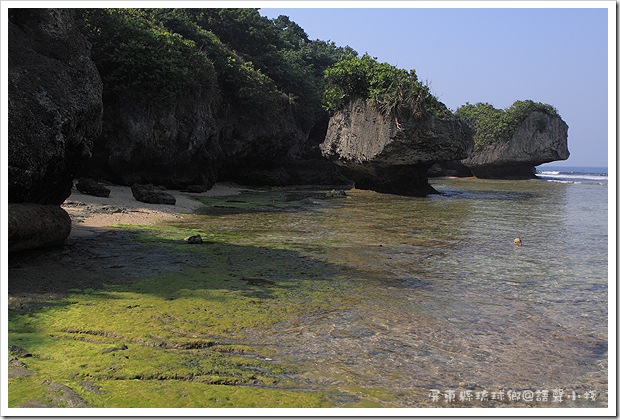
<point x="37" y="225"/>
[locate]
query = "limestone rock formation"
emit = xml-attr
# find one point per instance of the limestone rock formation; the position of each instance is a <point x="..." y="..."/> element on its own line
<point x="453" y="168"/>
<point x="392" y="155"/>
<point x="539" y="139"/>
<point x="55" y="104"/>
<point x="37" y="225"/>
<point x="169" y="143"/>
<point x="189" y="143"/>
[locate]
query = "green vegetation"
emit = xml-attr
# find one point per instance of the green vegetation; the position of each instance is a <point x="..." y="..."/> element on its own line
<point x="491" y="124"/>
<point x="179" y="330"/>
<point x="248" y="64"/>
<point x="135" y="56"/>
<point x="198" y="336"/>
<point x="388" y="88"/>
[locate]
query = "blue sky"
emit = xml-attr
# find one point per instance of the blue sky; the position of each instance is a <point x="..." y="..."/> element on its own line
<point x="556" y="56"/>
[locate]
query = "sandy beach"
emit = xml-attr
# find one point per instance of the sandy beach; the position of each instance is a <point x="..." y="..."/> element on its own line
<point x="121" y="207"/>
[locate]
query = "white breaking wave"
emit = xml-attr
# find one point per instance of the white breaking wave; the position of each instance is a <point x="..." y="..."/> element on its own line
<point x="559" y="181"/>
<point x="557" y="176"/>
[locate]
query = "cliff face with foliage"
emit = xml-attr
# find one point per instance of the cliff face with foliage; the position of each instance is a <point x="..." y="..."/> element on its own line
<point x="195" y="95"/>
<point x="387" y="129"/>
<point x="54" y="104"/>
<point x="510" y="143"/>
<point x="184" y="97"/>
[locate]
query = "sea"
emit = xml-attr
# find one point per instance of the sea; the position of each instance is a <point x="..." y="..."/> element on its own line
<point x="573" y="174"/>
<point x="444" y="310"/>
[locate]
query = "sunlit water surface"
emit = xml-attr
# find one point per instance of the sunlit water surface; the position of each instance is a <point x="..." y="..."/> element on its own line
<point x="442" y="299"/>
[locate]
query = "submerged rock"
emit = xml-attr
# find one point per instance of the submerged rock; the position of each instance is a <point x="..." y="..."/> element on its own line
<point x="37" y="225"/>
<point x="151" y="194"/>
<point x="390" y="154"/>
<point x="54" y="104"/>
<point x="540" y="138"/>
<point x="58" y="395"/>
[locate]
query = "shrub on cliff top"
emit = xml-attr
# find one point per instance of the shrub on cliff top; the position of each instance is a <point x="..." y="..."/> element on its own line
<point x="136" y="55"/>
<point x="255" y="68"/>
<point x="491" y="124"/>
<point x="390" y="89"/>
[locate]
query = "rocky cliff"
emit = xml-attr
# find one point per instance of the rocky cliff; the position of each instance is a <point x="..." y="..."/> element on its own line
<point x="55" y="104"/>
<point x="540" y="138"/>
<point x="389" y="154"/>
<point x="186" y="142"/>
<point x="165" y="143"/>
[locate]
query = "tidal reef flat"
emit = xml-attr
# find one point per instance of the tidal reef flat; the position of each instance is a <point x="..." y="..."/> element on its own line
<point x="305" y="298"/>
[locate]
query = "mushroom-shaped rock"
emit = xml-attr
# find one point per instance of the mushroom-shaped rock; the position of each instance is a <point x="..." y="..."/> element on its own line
<point x="540" y="138"/>
<point x="391" y="154"/>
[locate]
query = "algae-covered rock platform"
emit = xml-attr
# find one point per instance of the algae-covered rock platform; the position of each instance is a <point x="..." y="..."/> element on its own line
<point x="297" y="298"/>
<point x="133" y="316"/>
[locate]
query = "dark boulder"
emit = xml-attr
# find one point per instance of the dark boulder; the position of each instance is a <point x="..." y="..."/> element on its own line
<point x="54" y="104"/>
<point x="91" y="187"/>
<point x="151" y="194"/>
<point x="195" y="240"/>
<point x="37" y="225"/>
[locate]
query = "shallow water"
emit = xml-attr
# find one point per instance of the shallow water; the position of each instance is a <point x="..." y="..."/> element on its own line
<point x="437" y="295"/>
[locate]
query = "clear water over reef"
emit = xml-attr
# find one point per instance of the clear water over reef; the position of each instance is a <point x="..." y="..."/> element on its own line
<point x="299" y="299"/>
<point x="438" y="297"/>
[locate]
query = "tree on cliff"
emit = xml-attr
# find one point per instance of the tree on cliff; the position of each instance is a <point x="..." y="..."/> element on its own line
<point x="255" y="66"/>
<point x="136" y="56"/>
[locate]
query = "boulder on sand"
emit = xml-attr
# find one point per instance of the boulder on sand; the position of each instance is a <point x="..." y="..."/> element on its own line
<point x="91" y="187"/>
<point x="151" y="194"/>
